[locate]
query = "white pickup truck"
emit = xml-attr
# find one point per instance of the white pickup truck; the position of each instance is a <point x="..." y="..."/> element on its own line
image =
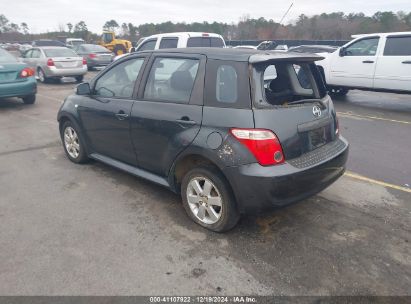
<point x="375" y="62"/>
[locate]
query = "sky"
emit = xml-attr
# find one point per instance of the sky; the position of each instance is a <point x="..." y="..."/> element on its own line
<point x="47" y="15"/>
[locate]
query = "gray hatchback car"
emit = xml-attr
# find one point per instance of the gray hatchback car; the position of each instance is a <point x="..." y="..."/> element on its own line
<point x="233" y="131"/>
<point x="55" y="63"/>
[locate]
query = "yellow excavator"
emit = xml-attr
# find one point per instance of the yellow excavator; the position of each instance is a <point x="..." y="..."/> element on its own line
<point x="117" y="46"/>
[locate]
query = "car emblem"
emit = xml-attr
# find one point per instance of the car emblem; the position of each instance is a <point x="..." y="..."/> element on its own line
<point x="316" y="111"/>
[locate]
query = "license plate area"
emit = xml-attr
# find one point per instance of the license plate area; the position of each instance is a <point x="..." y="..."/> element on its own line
<point x="317" y="138"/>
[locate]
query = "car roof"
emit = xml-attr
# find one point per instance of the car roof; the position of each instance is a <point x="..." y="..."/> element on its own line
<point x="381" y="34"/>
<point x="246" y="55"/>
<point x="52" y="47"/>
<point x="189" y="34"/>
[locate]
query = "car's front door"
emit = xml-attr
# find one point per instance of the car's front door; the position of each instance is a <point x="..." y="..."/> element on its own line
<point x="394" y="65"/>
<point x="355" y="66"/>
<point x="105" y="115"/>
<point x="167" y="114"/>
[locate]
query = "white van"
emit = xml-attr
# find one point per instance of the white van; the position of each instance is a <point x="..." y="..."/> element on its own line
<point x="376" y="62"/>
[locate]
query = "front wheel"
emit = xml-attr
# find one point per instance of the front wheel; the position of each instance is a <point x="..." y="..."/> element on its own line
<point x="73" y="143"/>
<point x="208" y="199"/>
<point x="339" y="91"/>
<point x="30" y="99"/>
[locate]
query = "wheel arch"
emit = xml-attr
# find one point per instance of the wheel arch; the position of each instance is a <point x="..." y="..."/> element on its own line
<point x="187" y="162"/>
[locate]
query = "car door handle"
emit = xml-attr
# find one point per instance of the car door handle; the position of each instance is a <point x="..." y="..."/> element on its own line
<point x="186" y="121"/>
<point x="406" y="62"/>
<point x="368" y="61"/>
<point x="121" y="115"/>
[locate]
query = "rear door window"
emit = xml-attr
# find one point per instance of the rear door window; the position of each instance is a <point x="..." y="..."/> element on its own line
<point x="171" y="79"/>
<point x="168" y="43"/>
<point x="398" y="46"/>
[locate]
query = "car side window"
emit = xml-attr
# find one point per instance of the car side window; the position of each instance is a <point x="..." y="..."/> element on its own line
<point x="119" y="81"/>
<point x="168" y="43"/>
<point x="35" y="54"/>
<point x="398" y="46"/>
<point x="148" y="45"/>
<point x="226" y="84"/>
<point x="364" y="47"/>
<point x="171" y="79"/>
<point x="28" y="54"/>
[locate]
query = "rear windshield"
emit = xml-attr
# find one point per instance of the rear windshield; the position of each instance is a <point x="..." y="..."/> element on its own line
<point x="95" y="48"/>
<point x="205" y="42"/>
<point x="60" y="53"/>
<point x="48" y="43"/>
<point x="6" y="57"/>
<point x="287" y="83"/>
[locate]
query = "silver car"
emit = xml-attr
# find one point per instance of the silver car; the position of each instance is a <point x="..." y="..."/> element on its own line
<point x="55" y="62"/>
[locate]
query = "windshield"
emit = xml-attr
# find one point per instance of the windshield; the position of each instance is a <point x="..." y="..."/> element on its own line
<point x="60" y="53"/>
<point x="77" y="42"/>
<point x="286" y="83"/>
<point x="6" y="57"/>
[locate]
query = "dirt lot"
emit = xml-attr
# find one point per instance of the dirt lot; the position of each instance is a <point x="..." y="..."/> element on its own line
<point x="67" y="229"/>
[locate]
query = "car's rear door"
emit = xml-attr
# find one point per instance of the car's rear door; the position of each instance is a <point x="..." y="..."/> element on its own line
<point x="393" y="70"/>
<point x="167" y="114"/>
<point x="105" y="115"/>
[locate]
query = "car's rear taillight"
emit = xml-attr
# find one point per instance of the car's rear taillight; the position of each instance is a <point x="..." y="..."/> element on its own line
<point x="26" y="72"/>
<point x="92" y="56"/>
<point x="50" y="62"/>
<point x="84" y="61"/>
<point x="263" y="144"/>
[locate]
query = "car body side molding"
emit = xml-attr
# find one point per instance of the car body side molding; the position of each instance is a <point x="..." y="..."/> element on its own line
<point x="130" y="169"/>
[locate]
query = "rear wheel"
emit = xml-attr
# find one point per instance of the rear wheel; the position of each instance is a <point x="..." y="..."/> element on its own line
<point x="30" y="99"/>
<point x="79" y="78"/>
<point x="73" y="143"/>
<point x="119" y="50"/>
<point x="42" y="76"/>
<point x="208" y="200"/>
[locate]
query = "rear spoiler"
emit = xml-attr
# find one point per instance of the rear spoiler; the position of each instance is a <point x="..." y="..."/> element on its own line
<point x="280" y="56"/>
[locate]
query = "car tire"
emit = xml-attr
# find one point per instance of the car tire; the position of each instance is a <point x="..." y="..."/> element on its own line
<point x="79" y="78"/>
<point x="340" y="92"/>
<point x="42" y="76"/>
<point x="30" y="99"/>
<point x="119" y="50"/>
<point x="208" y="199"/>
<point x="73" y="143"/>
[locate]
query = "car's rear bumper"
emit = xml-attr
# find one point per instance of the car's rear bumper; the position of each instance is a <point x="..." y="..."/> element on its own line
<point x="97" y="63"/>
<point x="55" y="72"/>
<point x="19" y="88"/>
<point x="258" y="188"/>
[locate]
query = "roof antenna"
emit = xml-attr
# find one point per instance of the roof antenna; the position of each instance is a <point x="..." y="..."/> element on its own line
<point x="286" y="13"/>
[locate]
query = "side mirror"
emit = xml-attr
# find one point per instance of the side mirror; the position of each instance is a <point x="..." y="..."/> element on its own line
<point x="132" y="49"/>
<point x="83" y="89"/>
<point x="342" y="52"/>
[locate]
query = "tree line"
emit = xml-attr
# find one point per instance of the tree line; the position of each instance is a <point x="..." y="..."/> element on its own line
<point x="332" y="26"/>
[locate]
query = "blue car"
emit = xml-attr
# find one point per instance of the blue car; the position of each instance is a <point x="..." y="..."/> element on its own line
<point x="16" y="79"/>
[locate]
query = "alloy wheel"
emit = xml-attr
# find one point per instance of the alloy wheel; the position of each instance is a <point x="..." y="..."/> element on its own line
<point x="204" y="200"/>
<point x="71" y="142"/>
